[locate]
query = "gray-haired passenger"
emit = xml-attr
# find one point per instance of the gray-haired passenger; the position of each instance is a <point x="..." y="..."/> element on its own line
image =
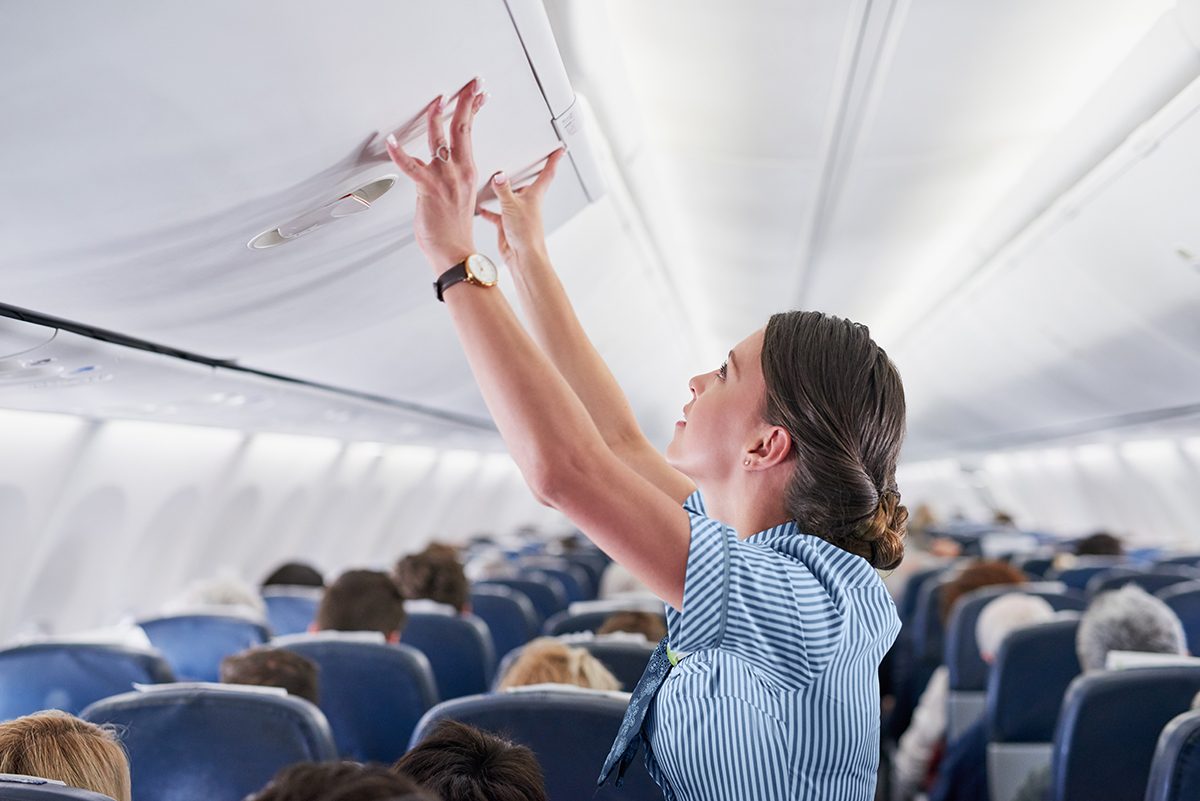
<point x="1128" y="619"/>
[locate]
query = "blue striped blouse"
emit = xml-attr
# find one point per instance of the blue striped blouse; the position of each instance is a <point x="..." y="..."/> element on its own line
<point x="778" y="697"/>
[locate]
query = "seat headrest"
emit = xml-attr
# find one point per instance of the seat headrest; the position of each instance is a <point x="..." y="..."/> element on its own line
<point x="1033" y="669"/>
<point x="1175" y="771"/>
<point x="14" y="787"/>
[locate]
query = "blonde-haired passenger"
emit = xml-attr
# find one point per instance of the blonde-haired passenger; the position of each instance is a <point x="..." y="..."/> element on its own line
<point x="548" y="661"/>
<point x="55" y="745"/>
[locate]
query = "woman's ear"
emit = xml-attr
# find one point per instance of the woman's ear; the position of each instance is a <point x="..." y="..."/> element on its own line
<point x="772" y="448"/>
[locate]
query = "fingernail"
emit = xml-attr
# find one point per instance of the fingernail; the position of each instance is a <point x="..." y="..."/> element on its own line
<point x="500" y="178"/>
<point x="391" y="140"/>
<point x="478" y="85"/>
<point x="441" y="104"/>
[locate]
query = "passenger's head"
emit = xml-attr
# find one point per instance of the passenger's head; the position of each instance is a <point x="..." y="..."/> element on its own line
<point x="437" y="574"/>
<point x="814" y="407"/>
<point x="272" y="667"/>
<point x="548" y="661"/>
<point x="221" y="590"/>
<point x="362" y="600"/>
<point x="1004" y="615"/>
<point x="341" y="781"/>
<point x="1128" y="619"/>
<point x="295" y="574"/>
<point x="647" y="624"/>
<point x="462" y="763"/>
<point x="55" y="745"/>
<point x="1099" y="544"/>
<point x="980" y="574"/>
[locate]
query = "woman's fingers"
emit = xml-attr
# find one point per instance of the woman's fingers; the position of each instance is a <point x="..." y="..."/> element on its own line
<point x="433" y="127"/>
<point x="412" y="167"/>
<point x="503" y="190"/>
<point x="460" y="126"/>
<point x="547" y="174"/>
<point x="490" y="216"/>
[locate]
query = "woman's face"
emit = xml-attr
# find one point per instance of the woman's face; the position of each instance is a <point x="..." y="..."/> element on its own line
<point x="720" y="423"/>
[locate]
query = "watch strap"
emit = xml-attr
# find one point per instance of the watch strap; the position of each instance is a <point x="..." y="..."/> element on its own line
<point x="449" y="278"/>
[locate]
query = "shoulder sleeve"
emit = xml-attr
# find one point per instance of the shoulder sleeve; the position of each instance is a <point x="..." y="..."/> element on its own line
<point x="761" y="605"/>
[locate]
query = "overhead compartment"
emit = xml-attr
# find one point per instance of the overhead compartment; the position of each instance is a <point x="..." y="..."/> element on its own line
<point x="212" y="176"/>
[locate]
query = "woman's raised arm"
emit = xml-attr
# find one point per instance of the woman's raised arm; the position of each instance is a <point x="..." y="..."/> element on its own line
<point x="558" y="331"/>
<point x="549" y="433"/>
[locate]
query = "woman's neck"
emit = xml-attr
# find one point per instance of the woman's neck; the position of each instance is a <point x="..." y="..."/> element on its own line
<point x="750" y="503"/>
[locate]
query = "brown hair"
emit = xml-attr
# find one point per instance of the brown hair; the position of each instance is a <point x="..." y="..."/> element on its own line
<point x="977" y="575"/>
<point x="1099" y="544"/>
<point x="648" y="624"/>
<point x="294" y="574"/>
<point x="840" y="399"/>
<point x="462" y="763"/>
<point x="548" y="661"/>
<point x="434" y="573"/>
<point x="272" y="667"/>
<point x="362" y="600"/>
<point x="55" y="745"/>
<point x="340" y="781"/>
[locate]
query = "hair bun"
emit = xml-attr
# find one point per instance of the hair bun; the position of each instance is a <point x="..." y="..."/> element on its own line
<point x="885" y="531"/>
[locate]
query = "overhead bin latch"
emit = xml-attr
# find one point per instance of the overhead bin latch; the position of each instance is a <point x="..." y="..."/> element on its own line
<point x="347" y="205"/>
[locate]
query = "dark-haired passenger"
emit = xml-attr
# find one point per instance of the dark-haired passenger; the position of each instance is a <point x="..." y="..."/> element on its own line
<point x="341" y="781"/>
<point x="1099" y="544"/>
<point x="435" y="574"/>
<point x="294" y="574"/>
<point x="362" y="600"/>
<point x="762" y="526"/>
<point x="463" y="763"/>
<point x="273" y="667"/>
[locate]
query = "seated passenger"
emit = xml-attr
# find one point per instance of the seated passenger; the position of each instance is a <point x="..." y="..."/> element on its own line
<point x="294" y="574"/>
<point x="340" y="781"/>
<point x="462" y="763"/>
<point x="1099" y="544"/>
<point x="55" y="745"/>
<point x="362" y="600"/>
<point x="1127" y="619"/>
<point x="922" y="740"/>
<point x="272" y="667"/>
<point x="647" y="624"/>
<point x="435" y="574"/>
<point x="225" y="590"/>
<point x="548" y="661"/>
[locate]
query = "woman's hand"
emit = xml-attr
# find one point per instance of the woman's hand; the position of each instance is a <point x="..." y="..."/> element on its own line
<point x="446" y="185"/>
<point x="520" y="232"/>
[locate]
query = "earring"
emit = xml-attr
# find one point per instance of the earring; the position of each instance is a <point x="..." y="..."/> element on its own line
<point x="746" y="461"/>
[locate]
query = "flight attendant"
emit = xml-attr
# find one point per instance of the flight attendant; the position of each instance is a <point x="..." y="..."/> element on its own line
<point x="761" y="528"/>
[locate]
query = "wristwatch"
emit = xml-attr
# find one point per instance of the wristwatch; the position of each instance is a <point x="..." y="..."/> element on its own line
<point x="474" y="269"/>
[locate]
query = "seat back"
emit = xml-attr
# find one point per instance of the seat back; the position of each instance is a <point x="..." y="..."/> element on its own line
<point x="14" y="787"/>
<point x="69" y="676"/>
<point x="547" y="598"/>
<point x="1036" y="567"/>
<point x="215" y="742"/>
<point x="575" y="580"/>
<point x="459" y="647"/>
<point x="1175" y="771"/>
<point x="1150" y="582"/>
<point x="1110" y="723"/>
<point x="1028" y="681"/>
<point x="1078" y="575"/>
<point x="569" y="622"/>
<point x="968" y="672"/>
<point x="570" y="732"/>
<point x="291" y="611"/>
<point x="1187" y="560"/>
<point x="194" y="645"/>
<point x="592" y="561"/>
<point x="509" y="615"/>
<point x="1184" y="601"/>
<point x="372" y="693"/>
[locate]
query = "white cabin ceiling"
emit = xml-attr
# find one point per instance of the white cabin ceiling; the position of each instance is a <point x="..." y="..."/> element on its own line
<point x="765" y="155"/>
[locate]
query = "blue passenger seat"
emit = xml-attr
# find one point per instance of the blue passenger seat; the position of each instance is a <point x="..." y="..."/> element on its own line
<point x="196" y="644"/>
<point x="1175" y="771"/>
<point x="1109" y="727"/>
<point x="1150" y="582"/>
<point x="968" y="672"/>
<point x="509" y="616"/>
<point x="576" y="581"/>
<point x="373" y="693"/>
<point x="1078" y="576"/>
<point x="547" y="598"/>
<point x="570" y="731"/>
<point x="32" y="788"/>
<point x="459" y="647"/>
<point x="291" y="610"/>
<point x="213" y="742"/>
<point x="1028" y="681"/>
<point x="69" y="676"/>
<point x="1184" y="600"/>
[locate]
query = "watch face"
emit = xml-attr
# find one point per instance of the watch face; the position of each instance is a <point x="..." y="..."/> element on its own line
<point x="481" y="269"/>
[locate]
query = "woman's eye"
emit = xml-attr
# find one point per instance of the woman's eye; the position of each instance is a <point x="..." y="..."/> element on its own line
<point x="723" y="369"/>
